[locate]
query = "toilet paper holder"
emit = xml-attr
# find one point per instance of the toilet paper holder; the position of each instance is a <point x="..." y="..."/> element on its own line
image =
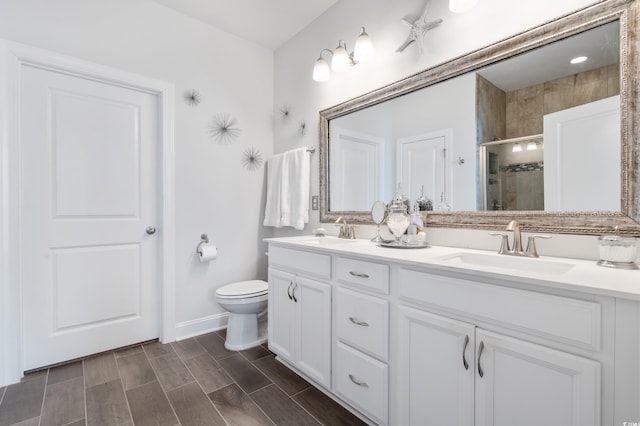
<point x="204" y="239"/>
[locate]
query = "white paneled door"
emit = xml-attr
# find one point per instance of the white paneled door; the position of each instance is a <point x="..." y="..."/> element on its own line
<point x="90" y="207"/>
<point x="420" y="165"/>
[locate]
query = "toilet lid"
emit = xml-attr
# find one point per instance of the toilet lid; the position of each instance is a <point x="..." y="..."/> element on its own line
<point x="243" y="289"/>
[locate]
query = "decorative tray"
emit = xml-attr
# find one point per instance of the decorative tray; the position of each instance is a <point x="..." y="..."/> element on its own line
<point x="618" y="265"/>
<point x="403" y="245"/>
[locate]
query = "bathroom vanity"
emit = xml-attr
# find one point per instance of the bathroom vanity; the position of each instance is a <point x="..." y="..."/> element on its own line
<point x="449" y="336"/>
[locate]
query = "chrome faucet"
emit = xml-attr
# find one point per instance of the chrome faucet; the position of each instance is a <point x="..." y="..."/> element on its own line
<point x="531" y="250"/>
<point x="346" y="230"/>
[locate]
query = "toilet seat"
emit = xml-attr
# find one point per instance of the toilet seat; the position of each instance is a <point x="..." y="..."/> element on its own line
<point x="243" y="290"/>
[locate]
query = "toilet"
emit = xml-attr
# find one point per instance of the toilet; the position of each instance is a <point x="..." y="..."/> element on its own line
<point x="244" y="300"/>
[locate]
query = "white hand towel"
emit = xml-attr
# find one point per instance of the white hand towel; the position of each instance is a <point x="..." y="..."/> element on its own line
<point x="288" y="189"/>
<point x="272" y="210"/>
<point x="294" y="196"/>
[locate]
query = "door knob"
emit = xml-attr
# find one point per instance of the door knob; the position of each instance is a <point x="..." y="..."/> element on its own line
<point x="151" y="230"/>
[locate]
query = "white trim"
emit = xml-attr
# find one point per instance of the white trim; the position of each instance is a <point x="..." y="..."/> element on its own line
<point x="196" y="327"/>
<point x="10" y="325"/>
<point x="13" y="57"/>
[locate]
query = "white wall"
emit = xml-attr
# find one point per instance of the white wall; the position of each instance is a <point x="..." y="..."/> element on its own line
<point x="215" y="194"/>
<point x="449" y="105"/>
<point x="488" y="22"/>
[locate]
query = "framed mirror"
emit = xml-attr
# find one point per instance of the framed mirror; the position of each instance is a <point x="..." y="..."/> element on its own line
<point x="448" y="130"/>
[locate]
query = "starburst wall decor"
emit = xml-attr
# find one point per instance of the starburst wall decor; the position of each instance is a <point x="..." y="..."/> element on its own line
<point x="192" y="97"/>
<point x="223" y="128"/>
<point x="252" y="159"/>
<point x="284" y="113"/>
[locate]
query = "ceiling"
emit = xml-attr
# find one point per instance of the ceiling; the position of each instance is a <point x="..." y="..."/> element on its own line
<point x="269" y="23"/>
<point x="599" y="44"/>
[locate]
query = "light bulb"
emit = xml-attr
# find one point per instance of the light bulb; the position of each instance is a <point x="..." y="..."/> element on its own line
<point x="321" y="71"/>
<point x="364" y="48"/>
<point x="340" y="60"/>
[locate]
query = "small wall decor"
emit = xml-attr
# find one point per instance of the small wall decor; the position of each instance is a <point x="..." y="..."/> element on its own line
<point x="252" y="158"/>
<point x="191" y="97"/>
<point x="223" y="128"/>
<point x="418" y="29"/>
<point x="302" y="128"/>
<point x="285" y="113"/>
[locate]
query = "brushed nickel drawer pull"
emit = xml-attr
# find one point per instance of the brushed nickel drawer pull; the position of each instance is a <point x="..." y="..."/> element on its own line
<point x="360" y="323"/>
<point x="358" y="274"/>
<point x="480" y="349"/>
<point x="289" y="290"/>
<point x="358" y="382"/>
<point x="464" y="349"/>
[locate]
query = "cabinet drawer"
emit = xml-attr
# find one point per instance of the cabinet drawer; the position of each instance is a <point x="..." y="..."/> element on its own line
<point x="363" y="322"/>
<point x="315" y="264"/>
<point x="373" y="276"/>
<point x="562" y="319"/>
<point x="362" y="381"/>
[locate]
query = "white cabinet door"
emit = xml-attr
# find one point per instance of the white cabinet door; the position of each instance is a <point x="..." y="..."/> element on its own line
<point x="436" y="369"/>
<point x="313" y="309"/>
<point x="281" y="311"/>
<point x="520" y="383"/>
<point x="300" y="323"/>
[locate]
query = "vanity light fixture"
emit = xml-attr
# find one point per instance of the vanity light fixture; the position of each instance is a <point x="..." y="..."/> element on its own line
<point x="341" y="59"/>
<point x="578" y="60"/>
<point x="516" y="148"/>
<point x="532" y="146"/>
<point x="459" y="6"/>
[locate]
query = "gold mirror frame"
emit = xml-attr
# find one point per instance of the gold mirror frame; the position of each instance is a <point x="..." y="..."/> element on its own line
<point x="588" y="223"/>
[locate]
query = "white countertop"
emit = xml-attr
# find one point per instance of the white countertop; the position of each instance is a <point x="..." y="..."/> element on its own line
<point x="553" y="272"/>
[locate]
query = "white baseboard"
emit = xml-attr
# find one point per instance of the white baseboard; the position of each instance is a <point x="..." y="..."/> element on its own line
<point x="196" y="327"/>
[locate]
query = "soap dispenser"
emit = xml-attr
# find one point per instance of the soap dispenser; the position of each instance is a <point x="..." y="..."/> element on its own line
<point x="417" y="218"/>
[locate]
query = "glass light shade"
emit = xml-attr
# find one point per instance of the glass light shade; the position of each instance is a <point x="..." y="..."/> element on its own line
<point x="532" y="146"/>
<point x="516" y="148"/>
<point x="459" y="6"/>
<point x="340" y="60"/>
<point x="321" y="71"/>
<point x="364" y="47"/>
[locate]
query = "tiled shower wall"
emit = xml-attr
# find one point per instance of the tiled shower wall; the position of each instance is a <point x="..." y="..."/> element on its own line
<point x="526" y="107"/>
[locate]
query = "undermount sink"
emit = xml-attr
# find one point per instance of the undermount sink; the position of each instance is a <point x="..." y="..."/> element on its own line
<point x="328" y="241"/>
<point x="516" y="263"/>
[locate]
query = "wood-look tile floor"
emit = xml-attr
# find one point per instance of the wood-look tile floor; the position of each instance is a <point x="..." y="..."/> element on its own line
<point x="191" y="382"/>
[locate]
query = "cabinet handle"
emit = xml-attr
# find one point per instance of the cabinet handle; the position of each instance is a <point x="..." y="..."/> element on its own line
<point x="293" y="293"/>
<point x="358" y="382"/>
<point x="464" y="350"/>
<point x="480" y="349"/>
<point x="289" y="290"/>
<point x="358" y="274"/>
<point x="360" y="323"/>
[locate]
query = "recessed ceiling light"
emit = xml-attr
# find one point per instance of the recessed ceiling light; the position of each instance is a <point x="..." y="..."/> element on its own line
<point x="578" y="60"/>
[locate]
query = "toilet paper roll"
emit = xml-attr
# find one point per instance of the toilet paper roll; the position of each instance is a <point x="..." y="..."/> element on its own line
<point x="207" y="252"/>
